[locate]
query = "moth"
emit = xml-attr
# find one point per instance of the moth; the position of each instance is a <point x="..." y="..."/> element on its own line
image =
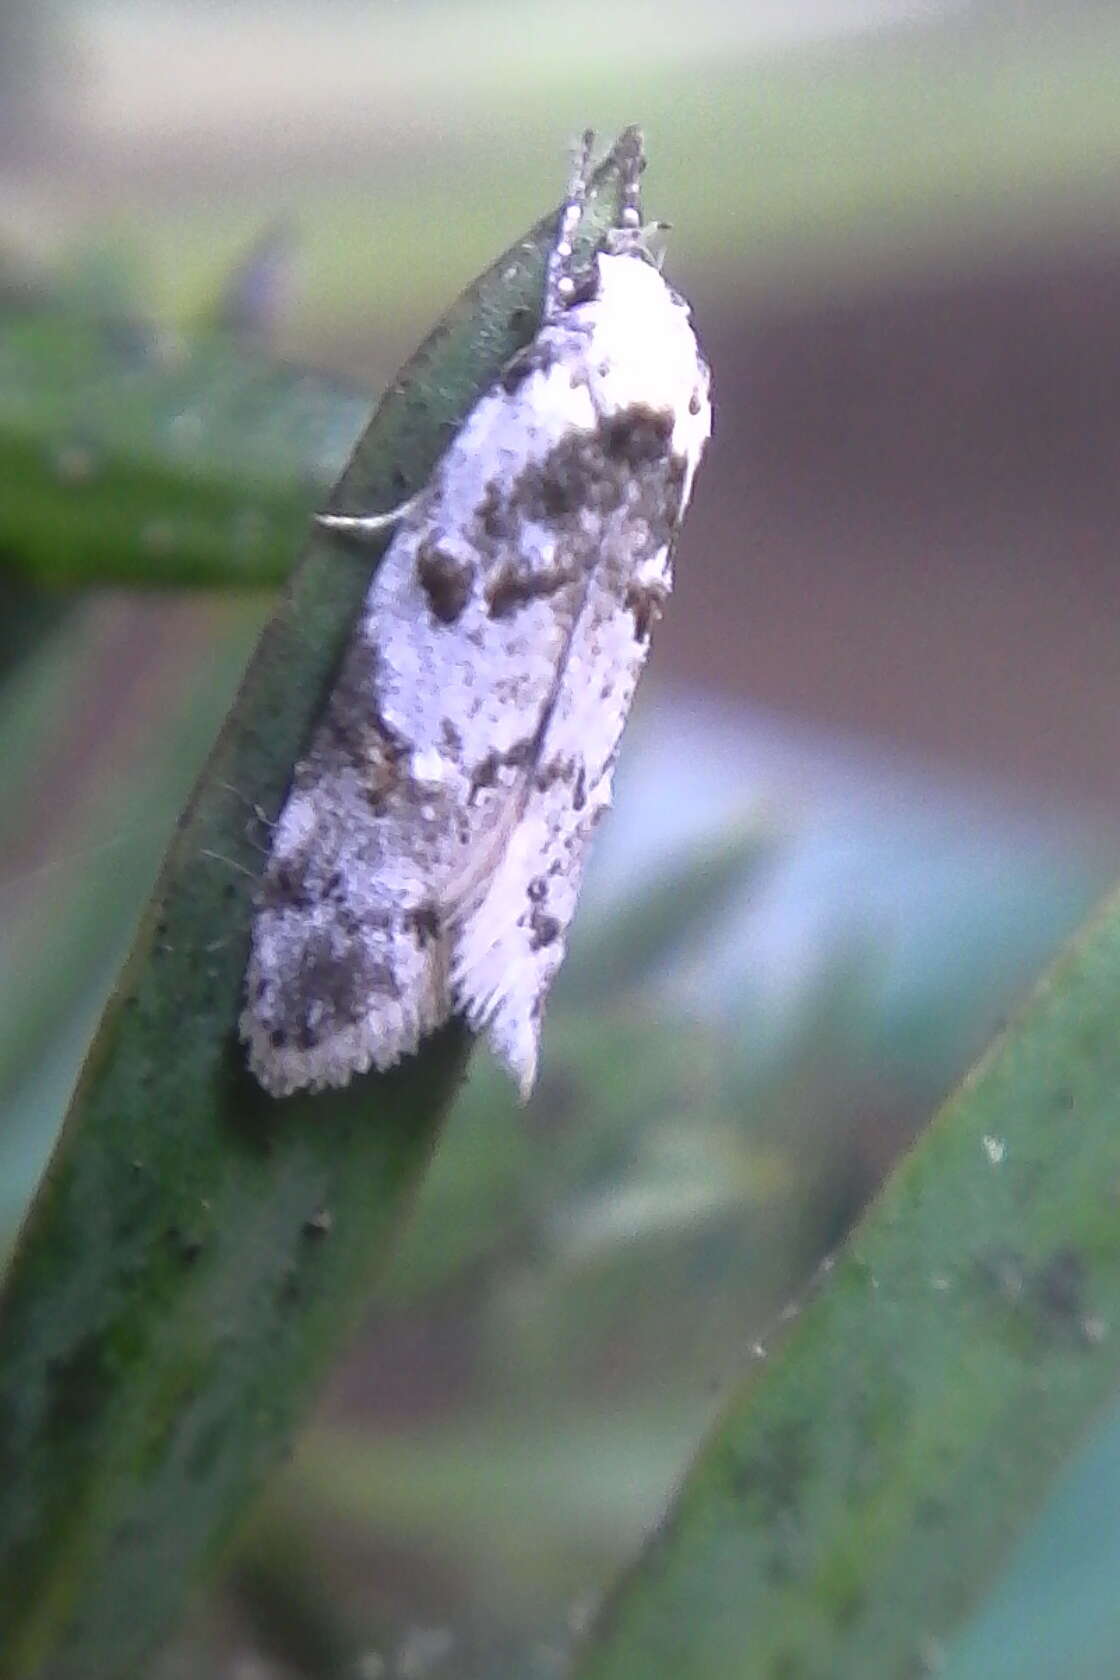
<point x="429" y="856"/>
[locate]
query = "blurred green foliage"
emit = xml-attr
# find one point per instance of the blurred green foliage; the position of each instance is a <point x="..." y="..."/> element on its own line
<point x="139" y="456"/>
<point x="858" y="1497"/>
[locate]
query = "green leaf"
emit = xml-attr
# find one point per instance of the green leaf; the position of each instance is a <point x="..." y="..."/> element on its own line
<point x="198" y="1251"/>
<point x="134" y="457"/>
<point x="855" y="1503"/>
<point x="90" y="806"/>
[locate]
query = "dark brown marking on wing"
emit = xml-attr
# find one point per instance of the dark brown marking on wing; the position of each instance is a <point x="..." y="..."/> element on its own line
<point x="512" y="586"/>
<point x="445" y="579"/>
<point x="485" y="772"/>
<point x="645" y="602"/>
<point x="543" y="929"/>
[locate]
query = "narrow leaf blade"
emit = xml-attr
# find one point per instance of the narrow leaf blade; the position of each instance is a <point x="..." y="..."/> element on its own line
<point x="857" y="1500"/>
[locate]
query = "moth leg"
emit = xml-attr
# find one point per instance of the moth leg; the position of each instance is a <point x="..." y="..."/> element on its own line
<point x="368" y="527"/>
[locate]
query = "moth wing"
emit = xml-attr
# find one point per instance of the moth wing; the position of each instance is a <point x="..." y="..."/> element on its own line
<point x="431" y="851"/>
<point x="616" y="505"/>
<point x="510" y="942"/>
<point x="412" y="782"/>
<point x="348" y="966"/>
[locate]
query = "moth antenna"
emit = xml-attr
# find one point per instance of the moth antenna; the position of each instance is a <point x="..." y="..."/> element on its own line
<point x="559" y="283"/>
<point x="633" y="162"/>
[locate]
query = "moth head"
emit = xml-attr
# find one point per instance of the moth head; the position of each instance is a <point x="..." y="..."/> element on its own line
<point x="638" y="239"/>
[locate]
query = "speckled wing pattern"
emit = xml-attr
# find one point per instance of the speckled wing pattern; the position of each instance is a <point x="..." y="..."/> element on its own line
<point x="430" y="853"/>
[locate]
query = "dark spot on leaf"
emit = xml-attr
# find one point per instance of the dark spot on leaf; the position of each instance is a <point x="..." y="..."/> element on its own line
<point x="187" y="1245"/>
<point x="77" y="1381"/>
<point x="1059" y="1285"/>
<point x="771" y="1482"/>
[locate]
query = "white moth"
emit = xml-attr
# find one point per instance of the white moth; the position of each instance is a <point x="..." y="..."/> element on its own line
<point x="429" y="856"/>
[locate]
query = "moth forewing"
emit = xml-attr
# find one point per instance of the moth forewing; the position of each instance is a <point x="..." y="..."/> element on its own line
<point x="429" y="857"/>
